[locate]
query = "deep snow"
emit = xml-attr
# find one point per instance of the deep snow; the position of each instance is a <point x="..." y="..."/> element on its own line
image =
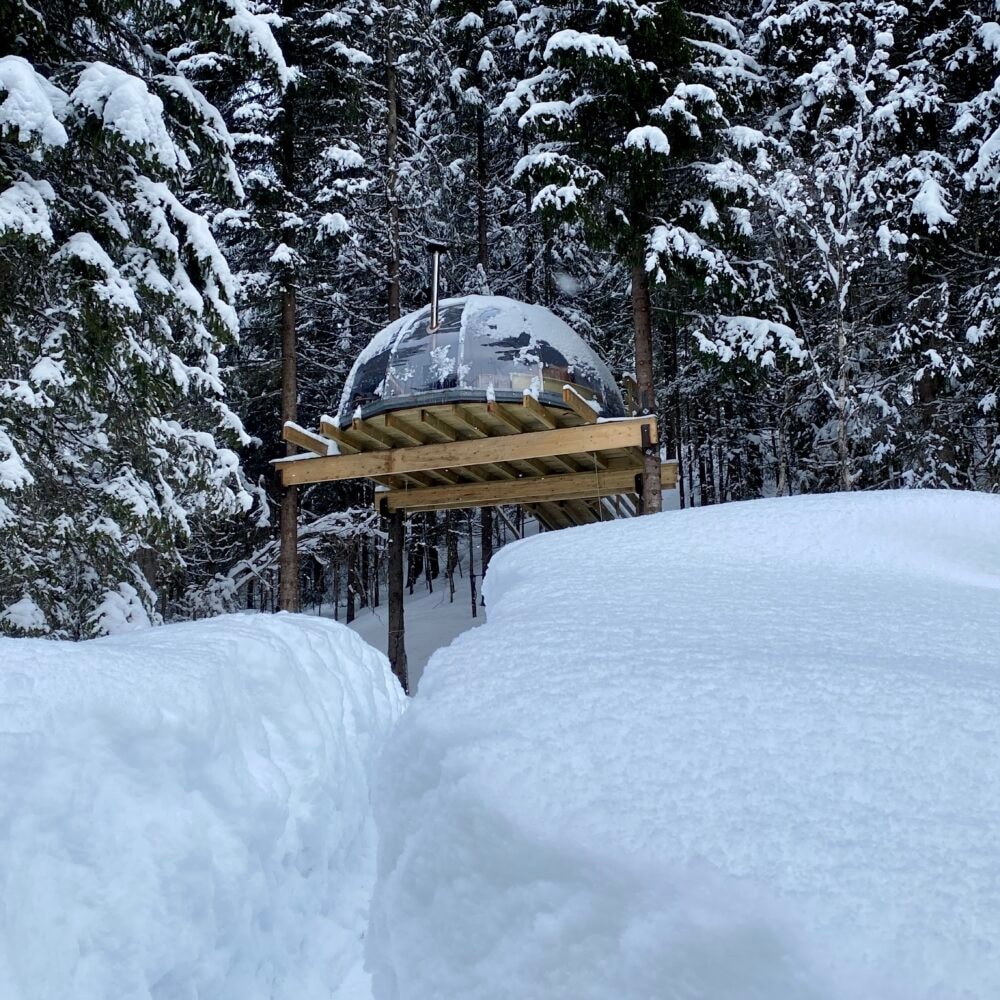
<point x="749" y="751"/>
<point x="184" y="811"/>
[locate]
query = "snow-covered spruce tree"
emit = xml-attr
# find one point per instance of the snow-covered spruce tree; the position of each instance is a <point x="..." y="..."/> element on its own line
<point x="477" y="41"/>
<point x="626" y="108"/>
<point x="863" y="202"/>
<point x="966" y="49"/>
<point x="299" y="145"/>
<point x="114" y="304"/>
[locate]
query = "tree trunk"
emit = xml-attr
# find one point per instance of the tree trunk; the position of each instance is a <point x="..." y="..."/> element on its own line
<point x="451" y="561"/>
<point x="392" y="170"/>
<point x="485" y="539"/>
<point x="288" y="559"/>
<point x="397" y="528"/>
<point x="783" y="487"/>
<point x="482" y="183"/>
<point x="472" y="567"/>
<point x="843" y="382"/>
<point x="642" y="323"/>
<point x="352" y="583"/>
<point x="397" y="625"/>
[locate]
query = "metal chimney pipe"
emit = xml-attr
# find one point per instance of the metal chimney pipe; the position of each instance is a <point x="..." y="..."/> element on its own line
<point x="435" y="250"/>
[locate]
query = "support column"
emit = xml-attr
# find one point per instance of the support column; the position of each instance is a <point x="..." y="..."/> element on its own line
<point x="645" y="386"/>
<point x="397" y="625"/>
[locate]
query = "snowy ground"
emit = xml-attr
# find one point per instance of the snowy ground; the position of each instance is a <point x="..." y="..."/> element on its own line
<point x="750" y="751"/>
<point x="432" y="622"/>
<point x="184" y="811"/>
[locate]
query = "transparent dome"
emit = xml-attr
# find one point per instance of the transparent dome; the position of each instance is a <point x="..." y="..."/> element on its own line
<point x="485" y="347"/>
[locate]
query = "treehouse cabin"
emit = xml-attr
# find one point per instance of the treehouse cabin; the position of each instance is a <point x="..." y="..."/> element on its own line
<point x="481" y="401"/>
<point x="478" y="402"/>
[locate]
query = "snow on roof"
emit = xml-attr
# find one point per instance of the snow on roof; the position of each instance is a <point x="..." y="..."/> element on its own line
<point x="748" y="751"/>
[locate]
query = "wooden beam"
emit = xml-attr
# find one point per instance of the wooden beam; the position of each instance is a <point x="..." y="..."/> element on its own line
<point x="610" y="435"/>
<point x="476" y="428"/>
<point x="550" y="419"/>
<point x="580" y="512"/>
<point x="346" y="443"/>
<point x="403" y="429"/>
<point x="439" y="426"/>
<point x="579" y="405"/>
<point x="506" y="416"/>
<point x="552" y="517"/>
<point x="373" y="433"/>
<point x="529" y="490"/>
<point x="364" y="429"/>
<point x="306" y="439"/>
<point x="541" y="413"/>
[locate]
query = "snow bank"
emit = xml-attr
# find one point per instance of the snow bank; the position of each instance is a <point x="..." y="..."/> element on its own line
<point x="184" y="811"/>
<point x="750" y="751"/>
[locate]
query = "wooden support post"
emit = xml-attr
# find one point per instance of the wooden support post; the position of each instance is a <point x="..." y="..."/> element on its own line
<point x="472" y="566"/>
<point x="397" y="625"/>
<point x="643" y="328"/>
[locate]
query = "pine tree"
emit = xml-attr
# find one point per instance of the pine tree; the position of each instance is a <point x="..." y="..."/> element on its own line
<point x="116" y="303"/>
<point x="861" y="206"/>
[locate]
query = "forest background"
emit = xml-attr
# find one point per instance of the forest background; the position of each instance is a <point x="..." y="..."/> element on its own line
<point x="788" y="211"/>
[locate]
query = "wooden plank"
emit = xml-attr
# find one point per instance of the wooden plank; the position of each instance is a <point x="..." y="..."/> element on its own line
<point x="542" y="414"/>
<point x="551" y="516"/>
<point x="439" y="426"/>
<point x="458" y="454"/>
<point x="580" y="512"/>
<point x="548" y="416"/>
<point x="305" y="439"/>
<point x="365" y="429"/>
<point x="579" y="405"/>
<point x="529" y="490"/>
<point x="506" y="416"/>
<point x="413" y="434"/>
<point x="346" y="443"/>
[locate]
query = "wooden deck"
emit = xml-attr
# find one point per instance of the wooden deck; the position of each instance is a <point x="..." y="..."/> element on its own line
<point x="560" y="462"/>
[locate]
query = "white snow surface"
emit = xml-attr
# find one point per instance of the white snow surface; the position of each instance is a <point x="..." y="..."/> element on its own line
<point x="184" y="811"/>
<point x="748" y="751"/>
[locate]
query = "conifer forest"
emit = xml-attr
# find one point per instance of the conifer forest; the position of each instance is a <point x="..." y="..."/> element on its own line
<point x="787" y="208"/>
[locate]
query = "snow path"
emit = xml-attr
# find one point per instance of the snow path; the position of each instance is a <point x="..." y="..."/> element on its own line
<point x="750" y="751"/>
<point x="431" y="623"/>
<point x="184" y="811"/>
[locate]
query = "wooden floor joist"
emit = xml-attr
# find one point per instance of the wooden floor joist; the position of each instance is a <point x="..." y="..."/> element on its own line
<point x="479" y="454"/>
<point x="447" y="455"/>
<point x="529" y="490"/>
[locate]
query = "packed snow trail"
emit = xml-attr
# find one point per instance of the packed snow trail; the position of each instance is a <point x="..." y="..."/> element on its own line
<point x="749" y="751"/>
<point x="184" y="811"/>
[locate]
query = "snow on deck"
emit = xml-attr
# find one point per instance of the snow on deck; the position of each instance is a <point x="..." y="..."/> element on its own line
<point x="184" y="811"/>
<point x="749" y="751"/>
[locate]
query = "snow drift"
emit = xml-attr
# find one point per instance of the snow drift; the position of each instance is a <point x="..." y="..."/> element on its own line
<point x="750" y="751"/>
<point x="184" y="810"/>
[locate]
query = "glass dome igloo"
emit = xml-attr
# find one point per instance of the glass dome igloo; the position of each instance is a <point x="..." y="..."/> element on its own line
<point x="484" y="348"/>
